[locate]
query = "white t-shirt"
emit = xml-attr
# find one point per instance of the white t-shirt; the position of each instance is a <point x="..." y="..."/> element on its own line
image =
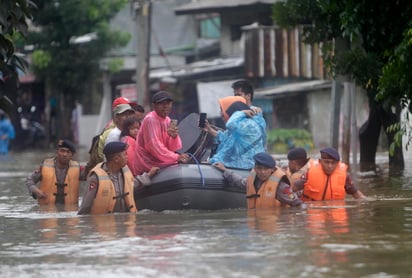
<point x="113" y="136"/>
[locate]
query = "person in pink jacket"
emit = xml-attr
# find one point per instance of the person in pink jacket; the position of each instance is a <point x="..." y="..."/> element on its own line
<point x="158" y="140"/>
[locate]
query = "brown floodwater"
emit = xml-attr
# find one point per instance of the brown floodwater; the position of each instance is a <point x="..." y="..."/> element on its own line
<point x="324" y="239"/>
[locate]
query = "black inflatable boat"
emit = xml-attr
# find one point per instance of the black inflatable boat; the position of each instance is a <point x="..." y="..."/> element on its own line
<point x="191" y="186"/>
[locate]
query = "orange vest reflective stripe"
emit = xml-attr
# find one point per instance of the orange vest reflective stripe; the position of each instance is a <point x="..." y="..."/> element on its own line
<point x="320" y="187"/>
<point x="49" y="184"/>
<point x="266" y="196"/>
<point x="106" y="195"/>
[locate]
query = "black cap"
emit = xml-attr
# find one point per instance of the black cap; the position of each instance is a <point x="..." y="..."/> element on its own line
<point x="330" y="153"/>
<point x="114" y="147"/>
<point x="64" y="143"/>
<point x="161" y="96"/>
<point x="264" y="159"/>
<point x="297" y="154"/>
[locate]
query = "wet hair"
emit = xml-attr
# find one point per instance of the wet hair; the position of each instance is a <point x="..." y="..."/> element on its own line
<point x="245" y="86"/>
<point x="128" y="122"/>
<point x="138" y="108"/>
<point x="236" y="106"/>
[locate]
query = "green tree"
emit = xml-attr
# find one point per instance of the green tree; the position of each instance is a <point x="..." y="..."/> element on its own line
<point x="395" y="84"/>
<point x="13" y="21"/>
<point x="71" y="38"/>
<point x="366" y="34"/>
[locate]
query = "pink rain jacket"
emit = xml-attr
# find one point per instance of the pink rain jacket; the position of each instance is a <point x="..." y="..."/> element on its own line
<point x="154" y="146"/>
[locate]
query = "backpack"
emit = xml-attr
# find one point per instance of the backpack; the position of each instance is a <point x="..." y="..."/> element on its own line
<point x="94" y="157"/>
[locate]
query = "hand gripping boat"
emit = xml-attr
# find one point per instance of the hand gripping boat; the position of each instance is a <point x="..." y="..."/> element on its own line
<point x="197" y="186"/>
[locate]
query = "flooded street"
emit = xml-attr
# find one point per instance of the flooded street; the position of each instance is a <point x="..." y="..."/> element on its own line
<point x="326" y="239"/>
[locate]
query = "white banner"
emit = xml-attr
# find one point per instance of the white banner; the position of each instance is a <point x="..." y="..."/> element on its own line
<point x="208" y="94"/>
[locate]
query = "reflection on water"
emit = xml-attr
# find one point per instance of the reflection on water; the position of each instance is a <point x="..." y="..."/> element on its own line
<point x="326" y="239"/>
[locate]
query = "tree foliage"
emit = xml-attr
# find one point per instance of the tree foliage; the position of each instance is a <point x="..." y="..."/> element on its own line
<point x="396" y="80"/>
<point x="66" y="62"/>
<point x="13" y="21"/>
<point x="377" y="38"/>
<point x="371" y="30"/>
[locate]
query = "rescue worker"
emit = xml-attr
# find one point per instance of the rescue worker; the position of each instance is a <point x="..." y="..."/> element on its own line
<point x="111" y="183"/>
<point x="298" y="165"/>
<point x="267" y="186"/>
<point x="328" y="179"/>
<point x="59" y="178"/>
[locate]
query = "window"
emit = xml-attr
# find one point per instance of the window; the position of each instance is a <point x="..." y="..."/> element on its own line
<point x="209" y="27"/>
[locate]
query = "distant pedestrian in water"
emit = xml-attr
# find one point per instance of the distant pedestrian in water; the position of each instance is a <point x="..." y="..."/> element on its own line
<point x="7" y="133"/>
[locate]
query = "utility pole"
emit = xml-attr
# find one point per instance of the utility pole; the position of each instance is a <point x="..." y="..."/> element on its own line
<point x="143" y="10"/>
<point x="346" y="124"/>
<point x="335" y="114"/>
<point x="354" y="133"/>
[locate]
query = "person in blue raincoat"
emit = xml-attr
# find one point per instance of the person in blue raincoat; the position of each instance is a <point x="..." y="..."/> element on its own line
<point x="245" y="135"/>
<point x="7" y="133"/>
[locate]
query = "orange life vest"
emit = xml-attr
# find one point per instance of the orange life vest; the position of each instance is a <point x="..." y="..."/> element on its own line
<point x="320" y="187"/>
<point x="106" y="195"/>
<point x="49" y="183"/>
<point x="266" y="196"/>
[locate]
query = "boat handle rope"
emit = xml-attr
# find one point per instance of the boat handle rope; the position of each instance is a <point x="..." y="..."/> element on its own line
<point x="198" y="167"/>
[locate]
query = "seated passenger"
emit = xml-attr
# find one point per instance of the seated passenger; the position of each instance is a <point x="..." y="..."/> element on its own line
<point x="129" y="132"/>
<point x="245" y="136"/>
<point x="128" y="135"/>
<point x="158" y="140"/>
<point x="120" y="113"/>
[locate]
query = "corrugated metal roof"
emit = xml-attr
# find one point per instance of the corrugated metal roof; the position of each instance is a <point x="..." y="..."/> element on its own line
<point x="197" y="67"/>
<point x="295" y="87"/>
<point x="209" y="6"/>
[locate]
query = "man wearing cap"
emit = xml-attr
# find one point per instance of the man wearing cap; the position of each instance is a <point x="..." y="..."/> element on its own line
<point x="298" y="165"/>
<point x="158" y="140"/>
<point x="267" y="186"/>
<point x="111" y="184"/>
<point x="120" y="113"/>
<point x="59" y="178"/>
<point x="99" y="140"/>
<point x="328" y="179"/>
